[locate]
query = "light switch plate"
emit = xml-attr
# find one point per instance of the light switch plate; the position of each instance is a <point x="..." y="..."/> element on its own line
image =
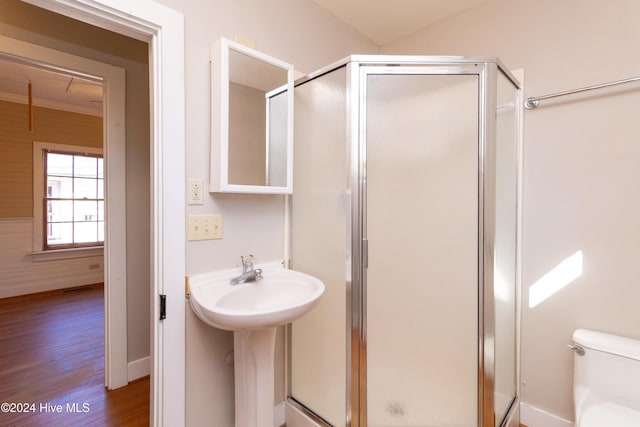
<point x="204" y="227"/>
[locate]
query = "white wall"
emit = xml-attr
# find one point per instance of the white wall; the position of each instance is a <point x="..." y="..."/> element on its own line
<point x="296" y="31"/>
<point x="581" y="176"/>
<point x="300" y="33"/>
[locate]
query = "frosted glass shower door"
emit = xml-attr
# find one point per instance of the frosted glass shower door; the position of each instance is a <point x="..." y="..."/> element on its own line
<point x="421" y="223"/>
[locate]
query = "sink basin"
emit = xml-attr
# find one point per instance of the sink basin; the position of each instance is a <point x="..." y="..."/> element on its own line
<point x="253" y="311"/>
<point x="280" y="297"/>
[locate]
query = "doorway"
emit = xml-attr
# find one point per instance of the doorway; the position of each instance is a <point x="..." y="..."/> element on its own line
<point x="74" y="173"/>
<point x="60" y="267"/>
<point x="163" y="29"/>
<point x="115" y="214"/>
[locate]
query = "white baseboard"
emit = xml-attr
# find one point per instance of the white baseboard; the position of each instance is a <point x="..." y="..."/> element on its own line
<point x="295" y="418"/>
<point x="54" y="284"/>
<point x="279" y="414"/>
<point x="138" y="368"/>
<point x="513" y="420"/>
<point x="536" y="417"/>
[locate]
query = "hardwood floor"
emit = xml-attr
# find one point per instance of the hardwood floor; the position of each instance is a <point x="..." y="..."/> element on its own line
<point x="52" y="364"/>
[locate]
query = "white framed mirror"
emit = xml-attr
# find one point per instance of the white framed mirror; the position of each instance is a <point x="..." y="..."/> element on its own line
<point x="251" y="121"/>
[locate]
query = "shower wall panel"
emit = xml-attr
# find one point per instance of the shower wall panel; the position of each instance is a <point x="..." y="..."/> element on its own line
<point x="320" y="211"/>
<point x="505" y="245"/>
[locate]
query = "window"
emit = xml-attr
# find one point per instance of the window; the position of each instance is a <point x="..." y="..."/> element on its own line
<point x="74" y="200"/>
<point x="69" y="207"/>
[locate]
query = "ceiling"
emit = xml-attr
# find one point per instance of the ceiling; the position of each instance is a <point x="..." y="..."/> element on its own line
<point x="381" y="21"/>
<point x="49" y="89"/>
<point x="384" y="21"/>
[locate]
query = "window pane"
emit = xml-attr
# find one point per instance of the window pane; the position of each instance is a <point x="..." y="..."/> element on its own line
<point x="86" y="167"/>
<point x="100" y="189"/>
<point x="100" y="168"/>
<point x="59" y="188"/>
<point x="59" y="164"/>
<point x="100" y="211"/>
<point x="59" y="210"/>
<point x="85" y="211"/>
<point x="101" y="231"/>
<point x="85" y="232"/>
<point x="85" y="188"/>
<point x="59" y="233"/>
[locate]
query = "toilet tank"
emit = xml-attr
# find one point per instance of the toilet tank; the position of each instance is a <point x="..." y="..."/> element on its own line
<point x="607" y="373"/>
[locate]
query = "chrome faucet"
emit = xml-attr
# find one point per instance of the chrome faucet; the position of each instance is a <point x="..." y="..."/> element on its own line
<point x="249" y="274"/>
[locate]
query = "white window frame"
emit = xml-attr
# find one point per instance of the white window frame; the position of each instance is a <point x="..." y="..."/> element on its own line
<point x="38" y="195"/>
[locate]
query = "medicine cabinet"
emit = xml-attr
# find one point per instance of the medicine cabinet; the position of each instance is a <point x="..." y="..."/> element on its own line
<point x="251" y="122"/>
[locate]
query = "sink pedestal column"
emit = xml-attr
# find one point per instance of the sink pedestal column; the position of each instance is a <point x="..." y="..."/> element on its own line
<point x="254" y="352"/>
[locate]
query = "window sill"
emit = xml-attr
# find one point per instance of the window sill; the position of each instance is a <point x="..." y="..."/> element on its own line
<point x="58" y="254"/>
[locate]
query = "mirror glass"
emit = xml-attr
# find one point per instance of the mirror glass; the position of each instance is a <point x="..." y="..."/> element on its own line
<point x="257" y="121"/>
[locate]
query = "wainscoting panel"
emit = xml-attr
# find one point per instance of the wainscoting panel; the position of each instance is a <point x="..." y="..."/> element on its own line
<point x="20" y="275"/>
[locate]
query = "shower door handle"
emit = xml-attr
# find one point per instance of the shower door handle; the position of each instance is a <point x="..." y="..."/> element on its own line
<point x="365" y="253"/>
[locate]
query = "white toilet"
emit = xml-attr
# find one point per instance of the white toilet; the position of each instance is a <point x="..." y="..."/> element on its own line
<point x="606" y="380"/>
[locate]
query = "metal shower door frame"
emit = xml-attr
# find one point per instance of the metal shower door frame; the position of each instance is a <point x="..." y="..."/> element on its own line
<point x="357" y="310"/>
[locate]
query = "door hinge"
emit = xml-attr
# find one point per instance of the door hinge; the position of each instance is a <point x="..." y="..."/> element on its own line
<point x="163" y="306"/>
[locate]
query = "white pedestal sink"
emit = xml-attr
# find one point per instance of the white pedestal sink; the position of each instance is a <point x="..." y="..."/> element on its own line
<point x="253" y="311"/>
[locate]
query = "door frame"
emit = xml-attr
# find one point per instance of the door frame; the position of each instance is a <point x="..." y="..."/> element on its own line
<point x="163" y="29"/>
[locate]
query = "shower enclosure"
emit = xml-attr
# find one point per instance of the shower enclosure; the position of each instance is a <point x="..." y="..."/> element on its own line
<point x="405" y="205"/>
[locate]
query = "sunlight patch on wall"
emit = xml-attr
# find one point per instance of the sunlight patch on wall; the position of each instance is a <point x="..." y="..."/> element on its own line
<point x="563" y="274"/>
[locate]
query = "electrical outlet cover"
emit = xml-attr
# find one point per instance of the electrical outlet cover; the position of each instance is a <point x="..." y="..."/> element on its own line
<point x="195" y="192"/>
